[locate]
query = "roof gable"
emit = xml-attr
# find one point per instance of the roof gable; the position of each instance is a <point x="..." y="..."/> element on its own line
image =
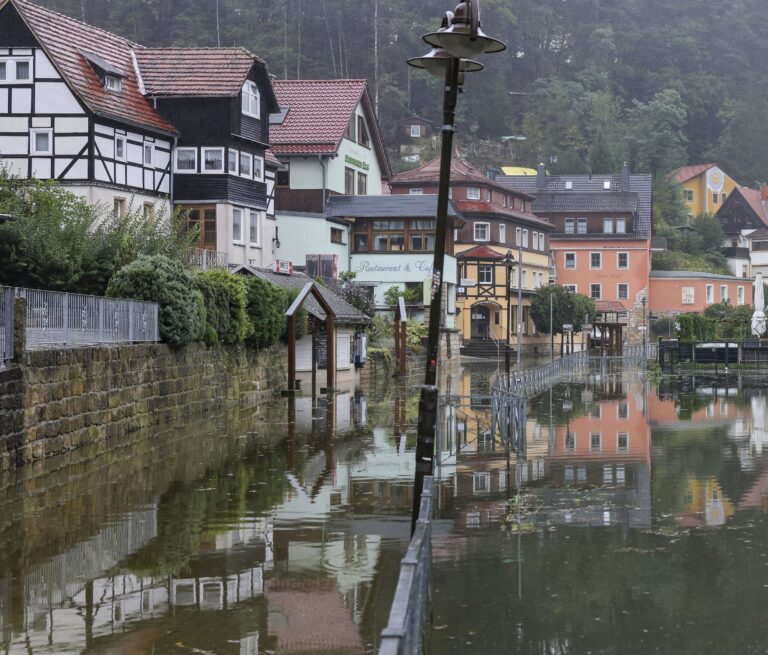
<point x="752" y="199"/>
<point x="685" y="173"/>
<point x="480" y="252"/>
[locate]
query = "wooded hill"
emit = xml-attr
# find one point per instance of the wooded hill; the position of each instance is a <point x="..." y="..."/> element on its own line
<point x="597" y="82"/>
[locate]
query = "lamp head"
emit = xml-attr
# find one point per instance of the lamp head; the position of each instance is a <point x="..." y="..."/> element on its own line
<point x="461" y="34"/>
<point x="436" y="63"/>
<point x="509" y="258"/>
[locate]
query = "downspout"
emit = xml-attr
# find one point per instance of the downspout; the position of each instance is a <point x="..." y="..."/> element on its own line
<point x="325" y="172"/>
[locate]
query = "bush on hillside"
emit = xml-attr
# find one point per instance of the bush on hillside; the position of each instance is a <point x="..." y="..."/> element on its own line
<point x="265" y="302"/>
<point x="225" y="304"/>
<point x="158" y="279"/>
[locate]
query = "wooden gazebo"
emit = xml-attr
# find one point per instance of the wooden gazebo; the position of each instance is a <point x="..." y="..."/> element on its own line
<point x="607" y="335"/>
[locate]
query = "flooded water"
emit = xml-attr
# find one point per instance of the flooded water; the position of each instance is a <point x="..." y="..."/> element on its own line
<point x="635" y="523"/>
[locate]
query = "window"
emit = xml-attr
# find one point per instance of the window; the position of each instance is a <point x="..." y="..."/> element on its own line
<point x="120" y="148"/>
<point x="570" y="441"/>
<point x="148" y="210"/>
<point x="481" y="482"/>
<point x="502" y="233"/>
<point x="362" y="184"/>
<point x="388" y="236"/>
<point x="621" y="226"/>
<point x="362" y="133"/>
<point x="581" y="226"/>
<point x="595" y="260"/>
<point x="606" y="185"/>
<point x="15" y="70"/>
<point x="349" y="132"/>
<point x="283" y="175"/>
<point x="251" y="100"/>
<point x="715" y="198"/>
<point x="186" y="160"/>
<point x="349" y="181"/>
<point x="570" y="288"/>
<point x="246" y="161"/>
<point x="594" y="440"/>
<point x="416" y="191"/>
<point x="525" y="238"/>
<point x="213" y="160"/>
<point x="739" y="295"/>
<point x="568" y="185"/>
<point x="232" y="157"/>
<point x="473" y="193"/>
<point x="688" y="195"/>
<point x="622" y="410"/>
<point x="596" y="411"/>
<point x="337" y="235"/>
<point x="595" y="291"/>
<point x="485" y="274"/>
<point x="113" y="83"/>
<point x="607" y="226"/>
<point x="237" y="225"/>
<point x="542" y="242"/>
<point x="535" y="240"/>
<point x="482" y="231"/>
<point x="118" y="207"/>
<point x="710" y="294"/>
<point x="360" y="242"/>
<point x="622" y="291"/>
<point x="422" y="235"/>
<point x="622" y="260"/>
<point x="622" y="441"/>
<point x="570" y="260"/>
<point x="258" y="168"/>
<point x="254" y="228"/>
<point x="518" y="236"/>
<point x="41" y="141"/>
<point x="416" y="131"/>
<point x="148" y="154"/>
<point x="723" y="293"/>
<point x="570" y="226"/>
<point x="525" y="281"/>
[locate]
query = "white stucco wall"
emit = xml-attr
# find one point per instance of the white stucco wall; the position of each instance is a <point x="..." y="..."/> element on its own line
<point x="307" y="173"/>
<point x="310" y="234"/>
<point x="105" y="196"/>
<point x="244" y="253"/>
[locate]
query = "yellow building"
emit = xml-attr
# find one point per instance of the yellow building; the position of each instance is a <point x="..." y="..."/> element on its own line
<point x="705" y="187"/>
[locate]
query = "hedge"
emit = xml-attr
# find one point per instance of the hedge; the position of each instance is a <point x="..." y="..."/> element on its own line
<point x="226" y="306"/>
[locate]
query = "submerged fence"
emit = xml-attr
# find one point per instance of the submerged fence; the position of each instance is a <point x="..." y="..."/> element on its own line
<point x="6" y="325"/>
<point x="69" y="319"/>
<point x="404" y="631"/>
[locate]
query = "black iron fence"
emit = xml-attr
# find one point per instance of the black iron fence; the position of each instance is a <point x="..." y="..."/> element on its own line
<point x="405" y="628"/>
<point x="673" y="353"/>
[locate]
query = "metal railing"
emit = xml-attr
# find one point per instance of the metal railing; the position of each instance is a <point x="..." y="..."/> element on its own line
<point x="638" y="352"/>
<point x="6" y="325"/>
<point x="205" y="259"/>
<point x="69" y="319"/>
<point x="404" y="632"/>
<point x="532" y="380"/>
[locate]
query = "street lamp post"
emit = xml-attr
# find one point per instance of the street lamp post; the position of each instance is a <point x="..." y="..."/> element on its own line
<point x="519" y="304"/>
<point x="509" y="262"/>
<point x="459" y="38"/>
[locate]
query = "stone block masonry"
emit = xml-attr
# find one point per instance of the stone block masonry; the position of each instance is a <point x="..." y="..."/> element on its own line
<point x="54" y="401"/>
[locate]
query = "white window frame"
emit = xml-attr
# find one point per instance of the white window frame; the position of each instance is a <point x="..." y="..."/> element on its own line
<point x="14" y="79"/>
<point x="599" y="436"/>
<point x="487" y="231"/>
<point x="568" y="185"/>
<point x="502" y="233"/>
<point x="416" y="191"/>
<point x="250" y="90"/>
<point x="688" y="195"/>
<point x="518" y="236"/>
<point x="606" y="185"/>
<point x="572" y="221"/>
<point x="416" y="131"/>
<point x="260" y="160"/>
<point x="525" y="238"/>
<point x="599" y="290"/>
<point x="235" y="240"/>
<point x="33" y="132"/>
<point x="618" y="292"/>
<point x="573" y="288"/>
<point x="473" y="193"/>
<point x="249" y="158"/>
<point x="148" y="147"/>
<point x="254" y="213"/>
<point x="542" y="242"/>
<point x="565" y="261"/>
<point x="723" y="292"/>
<point x="710" y="294"/>
<point x="599" y="267"/>
<point x="623" y="223"/>
<point x="483" y="488"/>
<point x="618" y="261"/>
<point x="124" y="139"/>
<point x="176" y="168"/>
<point x="608" y="226"/>
<point x="739" y="295"/>
<point x="579" y="223"/>
<point x="485" y="268"/>
<point x="535" y="240"/>
<point x="619" y="447"/>
<point x="113" y="83"/>
<point x="209" y="171"/>
<point x="236" y="153"/>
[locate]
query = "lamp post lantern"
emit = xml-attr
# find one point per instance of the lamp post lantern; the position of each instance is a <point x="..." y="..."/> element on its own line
<point x="459" y="38"/>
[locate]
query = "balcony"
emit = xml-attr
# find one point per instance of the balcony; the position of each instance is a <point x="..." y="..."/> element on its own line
<point x="736" y="253"/>
<point x="203" y="259"/>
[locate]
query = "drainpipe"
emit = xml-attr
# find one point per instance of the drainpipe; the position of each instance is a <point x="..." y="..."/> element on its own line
<point x="325" y="172"/>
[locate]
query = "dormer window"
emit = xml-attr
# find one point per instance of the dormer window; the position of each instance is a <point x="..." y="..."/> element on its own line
<point x="606" y="185"/>
<point x="113" y="83"/>
<point x="251" y="99"/>
<point x="569" y="184"/>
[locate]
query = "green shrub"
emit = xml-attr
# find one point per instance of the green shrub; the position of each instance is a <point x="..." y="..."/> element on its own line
<point x="225" y="303"/>
<point x="289" y="295"/>
<point x="415" y="333"/>
<point x="382" y="331"/>
<point x="265" y="303"/>
<point x="160" y="280"/>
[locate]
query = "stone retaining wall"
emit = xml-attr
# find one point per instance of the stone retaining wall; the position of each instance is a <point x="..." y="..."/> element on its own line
<point x="53" y="401"/>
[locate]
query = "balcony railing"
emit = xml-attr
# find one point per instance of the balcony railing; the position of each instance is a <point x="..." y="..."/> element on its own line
<point x="6" y="325"/>
<point x="205" y="259"/>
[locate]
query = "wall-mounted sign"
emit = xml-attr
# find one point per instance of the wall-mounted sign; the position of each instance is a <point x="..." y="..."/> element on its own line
<point x="567" y="327"/>
<point x="363" y="166"/>
<point x="468" y="282"/>
<point x="419" y="265"/>
<point x="688" y="296"/>
<point x="283" y="266"/>
<point x="715" y="179"/>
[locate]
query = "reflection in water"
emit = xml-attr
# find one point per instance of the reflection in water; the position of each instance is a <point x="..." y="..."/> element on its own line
<point x="633" y="523"/>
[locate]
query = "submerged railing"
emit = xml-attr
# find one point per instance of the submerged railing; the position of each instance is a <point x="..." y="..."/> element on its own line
<point x="69" y="319"/>
<point x="404" y="632"/>
<point x="6" y="325"/>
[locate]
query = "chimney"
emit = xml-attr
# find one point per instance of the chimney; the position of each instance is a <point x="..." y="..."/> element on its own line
<point x="541" y="177"/>
<point x="764" y="192"/>
<point x="625" y="177"/>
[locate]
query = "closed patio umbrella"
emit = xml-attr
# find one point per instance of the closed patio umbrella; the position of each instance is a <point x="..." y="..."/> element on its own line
<point x="758" y="318"/>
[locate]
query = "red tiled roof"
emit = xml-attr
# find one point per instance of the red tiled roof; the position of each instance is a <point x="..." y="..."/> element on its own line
<point x="480" y="252"/>
<point x="609" y="307"/>
<point x="685" y="173"/>
<point x="65" y="39"/>
<point x="194" y="71"/>
<point x="270" y="159"/>
<point x="754" y="200"/>
<point x="318" y="113"/>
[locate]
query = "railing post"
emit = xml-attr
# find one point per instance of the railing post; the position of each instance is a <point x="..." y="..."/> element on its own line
<point x="65" y="316"/>
<point x="101" y="320"/>
<point x="130" y="322"/>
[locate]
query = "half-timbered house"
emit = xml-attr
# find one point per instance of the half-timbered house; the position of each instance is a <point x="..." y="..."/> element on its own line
<point x="140" y="128"/>
<point x="744" y="217"/>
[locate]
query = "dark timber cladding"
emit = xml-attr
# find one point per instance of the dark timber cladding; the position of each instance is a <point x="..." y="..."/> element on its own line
<point x="13" y="31"/>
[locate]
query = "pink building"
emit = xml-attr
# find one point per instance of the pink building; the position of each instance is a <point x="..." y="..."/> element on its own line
<point x="678" y="292"/>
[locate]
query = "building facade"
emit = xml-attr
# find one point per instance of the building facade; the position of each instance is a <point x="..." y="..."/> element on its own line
<point x="328" y="141"/>
<point x="705" y="187"/>
<point x="678" y="292"/>
<point x="497" y="220"/>
<point x="744" y="217"/>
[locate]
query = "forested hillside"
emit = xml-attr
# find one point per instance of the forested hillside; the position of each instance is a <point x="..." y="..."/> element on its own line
<point x="596" y="82"/>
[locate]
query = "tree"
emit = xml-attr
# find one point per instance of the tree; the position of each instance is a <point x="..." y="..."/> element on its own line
<point x="656" y="139"/>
